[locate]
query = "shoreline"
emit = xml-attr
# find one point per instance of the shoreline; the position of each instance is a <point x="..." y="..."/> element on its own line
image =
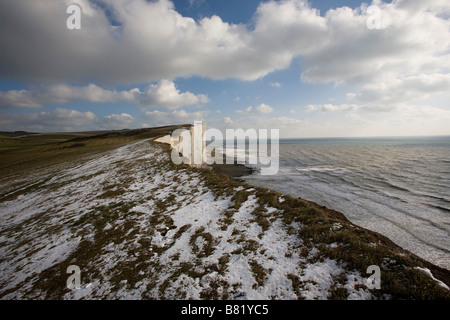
<point x="236" y="171"/>
<point x="168" y="231"/>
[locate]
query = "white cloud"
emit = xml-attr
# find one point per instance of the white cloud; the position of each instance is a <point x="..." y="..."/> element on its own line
<point x="161" y="118"/>
<point x="19" y="98"/>
<point x="394" y="90"/>
<point x="331" y="107"/>
<point x="60" y="94"/>
<point x="406" y="61"/>
<point x="65" y="120"/>
<point x="228" y="120"/>
<point x="417" y="6"/>
<point x="287" y="125"/>
<point x="406" y="44"/>
<point x="163" y="94"/>
<point x="398" y="66"/>
<point x="59" y="119"/>
<point x="264" y="109"/>
<point x="261" y="109"/>
<point x="153" y="42"/>
<point x="275" y="84"/>
<point x="376" y="120"/>
<point x="246" y="110"/>
<point x="116" y="121"/>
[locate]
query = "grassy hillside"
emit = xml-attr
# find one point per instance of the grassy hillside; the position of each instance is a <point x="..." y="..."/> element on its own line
<point x="18" y="154"/>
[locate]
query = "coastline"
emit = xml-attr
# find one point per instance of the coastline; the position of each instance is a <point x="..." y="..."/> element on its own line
<point x="236" y="171"/>
<point x="141" y="227"/>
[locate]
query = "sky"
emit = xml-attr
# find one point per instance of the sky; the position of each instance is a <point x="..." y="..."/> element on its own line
<point x="317" y="68"/>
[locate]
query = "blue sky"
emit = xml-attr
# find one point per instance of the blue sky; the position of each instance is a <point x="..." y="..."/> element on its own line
<point x="317" y="68"/>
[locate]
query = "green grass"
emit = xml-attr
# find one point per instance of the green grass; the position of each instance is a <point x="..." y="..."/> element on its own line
<point x="21" y="154"/>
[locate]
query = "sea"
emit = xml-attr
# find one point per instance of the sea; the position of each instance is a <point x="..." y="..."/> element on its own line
<point x="398" y="187"/>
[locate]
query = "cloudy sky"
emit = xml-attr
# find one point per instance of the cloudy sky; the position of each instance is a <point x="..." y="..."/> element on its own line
<point x="317" y="68"/>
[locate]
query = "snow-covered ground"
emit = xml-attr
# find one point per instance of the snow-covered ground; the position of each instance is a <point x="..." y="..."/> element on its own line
<point x="138" y="228"/>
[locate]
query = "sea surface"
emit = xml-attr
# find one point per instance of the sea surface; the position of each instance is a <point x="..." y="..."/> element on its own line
<point x="398" y="187"/>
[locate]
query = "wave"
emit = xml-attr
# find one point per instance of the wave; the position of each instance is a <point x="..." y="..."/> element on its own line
<point x="406" y="182"/>
<point x="436" y="198"/>
<point x="438" y="207"/>
<point x="397" y="187"/>
<point x="321" y="169"/>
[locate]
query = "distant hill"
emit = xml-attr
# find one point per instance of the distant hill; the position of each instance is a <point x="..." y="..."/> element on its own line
<point x="15" y="133"/>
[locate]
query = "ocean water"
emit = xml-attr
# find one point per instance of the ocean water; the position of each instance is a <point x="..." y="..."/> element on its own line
<point x="398" y="187"/>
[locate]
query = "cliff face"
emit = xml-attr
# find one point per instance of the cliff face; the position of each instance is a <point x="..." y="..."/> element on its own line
<point x="188" y="145"/>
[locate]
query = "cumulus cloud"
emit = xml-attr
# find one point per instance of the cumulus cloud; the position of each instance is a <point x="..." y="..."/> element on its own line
<point x="331" y="107"/>
<point x="407" y="60"/>
<point x="397" y="90"/>
<point x="417" y="6"/>
<point x="379" y="119"/>
<point x="150" y="40"/>
<point x="261" y="109"/>
<point x="288" y="126"/>
<point x="138" y="41"/>
<point x="116" y="121"/>
<point x="65" y="120"/>
<point x="228" y="121"/>
<point x="161" y="118"/>
<point x="407" y="43"/>
<point x="60" y="94"/>
<point x="163" y="94"/>
<point x="21" y="99"/>
<point x="246" y="110"/>
<point x="59" y="119"/>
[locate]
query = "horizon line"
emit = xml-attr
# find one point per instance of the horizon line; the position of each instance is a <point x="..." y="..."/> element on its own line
<point x="284" y="138"/>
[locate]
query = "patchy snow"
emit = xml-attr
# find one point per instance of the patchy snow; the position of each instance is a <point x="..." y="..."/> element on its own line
<point x="319" y="277"/>
<point x="139" y="229"/>
<point x="336" y="226"/>
<point x="429" y="274"/>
